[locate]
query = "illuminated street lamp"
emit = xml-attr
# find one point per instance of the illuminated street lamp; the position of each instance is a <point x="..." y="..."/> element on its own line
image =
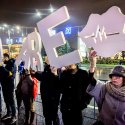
<point x="38" y="14"/>
<point x="18" y="27"/>
<point x="51" y="8"/>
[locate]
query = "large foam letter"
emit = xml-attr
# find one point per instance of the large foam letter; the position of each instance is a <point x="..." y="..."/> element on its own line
<point x="31" y="51"/>
<point x="34" y="50"/>
<point x="23" y="54"/>
<point x="51" y="42"/>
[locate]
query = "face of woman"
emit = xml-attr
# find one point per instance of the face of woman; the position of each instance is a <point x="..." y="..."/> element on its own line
<point x="117" y="81"/>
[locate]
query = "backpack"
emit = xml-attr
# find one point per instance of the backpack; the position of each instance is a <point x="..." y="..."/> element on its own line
<point x="35" y="87"/>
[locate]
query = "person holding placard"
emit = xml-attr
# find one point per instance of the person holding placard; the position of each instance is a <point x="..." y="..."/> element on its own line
<point x="29" y="90"/>
<point x="50" y="93"/>
<point x="74" y="82"/>
<point x="110" y="97"/>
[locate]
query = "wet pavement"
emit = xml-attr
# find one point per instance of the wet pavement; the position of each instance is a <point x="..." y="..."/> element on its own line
<point x="89" y="114"/>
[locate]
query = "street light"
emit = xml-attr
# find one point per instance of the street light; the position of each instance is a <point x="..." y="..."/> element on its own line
<point x="51" y="8"/>
<point x="5" y="25"/>
<point x="38" y="13"/>
<point x="18" y="27"/>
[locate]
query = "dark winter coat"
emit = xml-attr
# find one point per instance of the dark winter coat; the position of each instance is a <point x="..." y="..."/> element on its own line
<point x="6" y="79"/>
<point x="73" y="89"/>
<point x="50" y="93"/>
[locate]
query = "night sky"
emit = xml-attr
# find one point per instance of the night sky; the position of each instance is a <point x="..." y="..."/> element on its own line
<point x="22" y="12"/>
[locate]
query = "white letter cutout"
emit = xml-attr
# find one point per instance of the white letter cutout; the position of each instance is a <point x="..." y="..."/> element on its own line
<point x="31" y="51"/>
<point x="51" y="42"/>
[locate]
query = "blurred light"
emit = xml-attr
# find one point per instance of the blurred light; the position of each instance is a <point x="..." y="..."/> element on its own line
<point x="38" y="14"/>
<point x="22" y="34"/>
<point x="9" y="41"/>
<point x="18" y="27"/>
<point x="51" y="8"/>
<point x="12" y="29"/>
<point x="5" y="25"/>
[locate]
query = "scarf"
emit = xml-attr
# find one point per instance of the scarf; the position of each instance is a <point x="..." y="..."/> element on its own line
<point x="118" y="93"/>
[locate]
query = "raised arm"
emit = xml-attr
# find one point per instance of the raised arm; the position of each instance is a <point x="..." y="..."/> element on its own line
<point x="92" y="59"/>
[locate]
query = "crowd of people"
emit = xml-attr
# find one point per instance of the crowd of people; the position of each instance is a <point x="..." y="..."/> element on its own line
<point x="69" y="88"/>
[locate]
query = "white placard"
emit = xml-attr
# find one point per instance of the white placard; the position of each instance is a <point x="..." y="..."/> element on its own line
<point x="106" y="32"/>
<point x="50" y="41"/>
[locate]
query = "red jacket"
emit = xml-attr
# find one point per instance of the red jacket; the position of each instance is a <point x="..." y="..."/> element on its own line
<point x="35" y="87"/>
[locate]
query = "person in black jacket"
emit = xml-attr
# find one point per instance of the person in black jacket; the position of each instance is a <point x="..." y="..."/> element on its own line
<point x="74" y="82"/>
<point x="50" y="93"/>
<point x="7" y="76"/>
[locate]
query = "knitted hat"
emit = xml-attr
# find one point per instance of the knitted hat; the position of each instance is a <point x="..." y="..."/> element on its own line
<point x="118" y="71"/>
